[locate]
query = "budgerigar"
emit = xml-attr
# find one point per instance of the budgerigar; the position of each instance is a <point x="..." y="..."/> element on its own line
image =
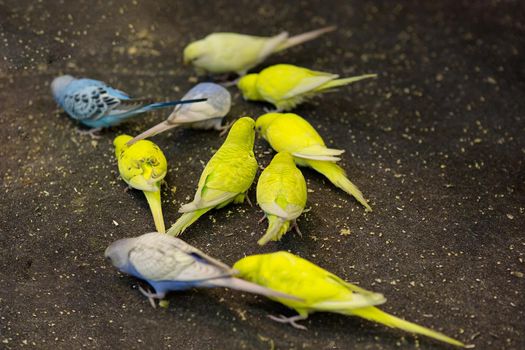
<point x="97" y="105"/>
<point x="231" y="52"/>
<point x="320" y="291"/>
<point x="168" y="264"/>
<point x="206" y="115"/>
<point x="226" y="177"/>
<point x="291" y="133"/>
<point x="281" y="194"/>
<point x="143" y="166"/>
<point x="286" y="86"/>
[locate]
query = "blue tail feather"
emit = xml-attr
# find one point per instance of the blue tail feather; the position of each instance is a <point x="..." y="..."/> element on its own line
<point x="172" y="103"/>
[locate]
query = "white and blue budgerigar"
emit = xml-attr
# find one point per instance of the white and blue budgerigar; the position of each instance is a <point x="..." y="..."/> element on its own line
<point x="97" y="105"/>
<point x="207" y="115"/>
<point x="168" y="264"/>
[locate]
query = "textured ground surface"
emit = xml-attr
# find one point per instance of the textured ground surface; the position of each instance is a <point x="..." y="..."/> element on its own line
<point x="436" y="143"/>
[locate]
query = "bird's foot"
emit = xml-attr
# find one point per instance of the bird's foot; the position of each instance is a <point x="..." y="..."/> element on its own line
<point x="296" y="227"/>
<point x="151" y="296"/>
<point x="93" y="133"/>
<point x="248" y="200"/>
<point x="271" y="110"/>
<point x="261" y="219"/>
<point x="290" y="320"/>
<point x="225" y="128"/>
<point x="229" y="83"/>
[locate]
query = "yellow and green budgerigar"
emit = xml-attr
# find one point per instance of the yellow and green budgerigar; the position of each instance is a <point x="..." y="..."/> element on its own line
<point x="286" y="85"/>
<point x="220" y="53"/>
<point x="226" y="177"/>
<point x="321" y="290"/>
<point x="281" y="194"/>
<point x="291" y="133"/>
<point x="143" y="166"/>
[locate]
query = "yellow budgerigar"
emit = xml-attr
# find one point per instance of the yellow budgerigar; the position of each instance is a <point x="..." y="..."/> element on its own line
<point x="286" y="85"/>
<point x="220" y="53"/>
<point x="321" y="291"/>
<point x="143" y="166"/>
<point x="281" y="194"/>
<point x="226" y="177"/>
<point x="291" y="133"/>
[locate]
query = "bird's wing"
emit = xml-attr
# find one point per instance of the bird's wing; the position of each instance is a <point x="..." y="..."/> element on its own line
<point x="228" y="173"/>
<point x="291" y="211"/>
<point x="306" y="81"/>
<point x="355" y="298"/>
<point x="319" y="152"/>
<point x="159" y="257"/>
<point x="191" y="113"/>
<point x="90" y="102"/>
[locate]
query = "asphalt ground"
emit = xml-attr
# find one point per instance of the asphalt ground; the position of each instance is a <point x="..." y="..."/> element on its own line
<point x="435" y="142"/>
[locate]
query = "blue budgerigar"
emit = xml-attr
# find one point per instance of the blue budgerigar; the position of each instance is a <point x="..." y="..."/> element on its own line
<point x="97" y="105"/>
<point x="168" y="264"/>
<point x="206" y="115"/>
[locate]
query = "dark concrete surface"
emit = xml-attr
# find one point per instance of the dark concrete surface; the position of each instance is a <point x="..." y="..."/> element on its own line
<point x="436" y="143"/>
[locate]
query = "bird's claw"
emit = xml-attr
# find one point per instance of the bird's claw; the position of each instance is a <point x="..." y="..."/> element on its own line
<point x="296" y="227"/>
<point x="271" y="110"/>
<point x="229" y="83"/>
<point x="261" y="219"/>
<point x="151" y="296"/>
<point x="248" y="200"/>
<point x="290" y="320"/>
<point x="225" y="128"/>
<point x="93" y="133"/>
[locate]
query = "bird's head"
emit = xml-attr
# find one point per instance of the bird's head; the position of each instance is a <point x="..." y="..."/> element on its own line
<point x="248" y="267"/>
<point x="120" y="143"/>
<point x="59" y="85"/>
<point x="242" y="132"/>
<point x="264" y="121"/>
<point x="248" y="86"/>
<point x="118" y="252"/>
<point x="194" y="51"/>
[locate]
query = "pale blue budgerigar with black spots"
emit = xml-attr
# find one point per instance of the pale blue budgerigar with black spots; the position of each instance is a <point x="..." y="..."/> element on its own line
<point x="206" y="115"/>
<point x="168" y="264"/>
<point x="97" y="105"/>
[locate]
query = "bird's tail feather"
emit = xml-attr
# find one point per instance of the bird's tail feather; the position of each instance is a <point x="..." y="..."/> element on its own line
<point x="159" y="105"/>
<point x="344" y="81"/>
<point x="239" y="284"/>
<point x="157" y="129"/>
<point x="301" y="38"/>
<point x="337" y="176"/>
<point x="186" y="220"/>
<point x="132" y="107"/>
<point x="155" y="205"/>
<point x="277" y="227"/>
<point x="376" y="315"/>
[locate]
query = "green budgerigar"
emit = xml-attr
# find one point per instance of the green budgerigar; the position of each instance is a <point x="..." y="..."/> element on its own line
<point x="291" y="133"/>
<point x="220" y="53"/>
<point x="143" y="166"/>
<point x="226" y="177"/>
<point x="281" y="194"/>
<point x="321" y="291"/>
<point x="286" y="85"/>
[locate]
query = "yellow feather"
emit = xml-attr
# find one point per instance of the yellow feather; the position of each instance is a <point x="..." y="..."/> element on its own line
<point x="321" y="290"/>
<point x="288" y="132"/>
<point x="143" y="166"/>
<point x="286" y="85"/>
